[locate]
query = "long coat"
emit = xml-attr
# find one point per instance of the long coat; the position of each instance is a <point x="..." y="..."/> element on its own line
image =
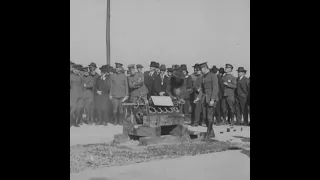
<point x="149" y="81"/>
<point x="103" y="101"/>
<point x="210" y="87"/>
<point x="159" y="84"/>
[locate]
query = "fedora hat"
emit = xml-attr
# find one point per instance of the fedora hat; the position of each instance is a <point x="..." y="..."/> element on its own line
<point x="163" y="67"/>
<point x="153" y="64"/>
<point x="241" y="69"/>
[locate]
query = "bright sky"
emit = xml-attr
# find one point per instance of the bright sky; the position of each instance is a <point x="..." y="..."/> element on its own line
<point x="165" y="31"/>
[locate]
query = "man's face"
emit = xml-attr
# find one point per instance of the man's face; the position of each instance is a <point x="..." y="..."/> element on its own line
<point x="118" y="70"/>
<point x="92" y="69"/>
<point x="240" y="74"/>
<point x="152" y="69"/>
<point x="195" y="70"/>
<point x="85" y="73"/>
<point x="184" y="72"/>
<point x="157" y="70"/>
<point x="71" y="67"/>
<point x="203" y="70"/>
<point x="227" y="69"/>
<point x="132" y="71"/>
<point x="169" y="73"/>
<point x="139" y="69"/>
<point x="110" y="72"/>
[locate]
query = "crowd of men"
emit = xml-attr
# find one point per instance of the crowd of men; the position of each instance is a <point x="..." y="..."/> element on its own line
<point x="213" y="95"/>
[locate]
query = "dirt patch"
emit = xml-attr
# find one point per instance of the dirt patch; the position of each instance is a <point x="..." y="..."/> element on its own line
<point x="94" y="156"/>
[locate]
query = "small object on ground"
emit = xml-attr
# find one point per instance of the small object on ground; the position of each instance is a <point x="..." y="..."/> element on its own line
<point x="228" y="129"/>
<point x="221" y="132"/>
<point x="234" y="130"/>
<point x="241" y="129"/>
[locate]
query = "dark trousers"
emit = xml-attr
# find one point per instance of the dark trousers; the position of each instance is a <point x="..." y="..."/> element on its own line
<point x="208" y="113"/>
<point x="185" y="107"/>
<point x="117" y="110"/>
<point x="229" y="106"/>
<point x="242" y="109"/>
<point x="217" y="112"/>
<point x="196" y="110"/>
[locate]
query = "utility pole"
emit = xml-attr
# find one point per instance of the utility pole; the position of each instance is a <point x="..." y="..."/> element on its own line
<point x="108" y="32"/>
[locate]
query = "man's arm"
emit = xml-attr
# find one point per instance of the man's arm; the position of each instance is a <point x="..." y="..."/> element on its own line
<point x="131" y="85"/>
<point x="126" y="86"/>
<point x="233" y="83"/>
<point x="111" y="85"/>
<point x="215" y="87"/>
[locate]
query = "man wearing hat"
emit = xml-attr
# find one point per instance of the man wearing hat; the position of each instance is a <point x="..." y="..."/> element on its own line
<point x="104" y="104"/>
<point x="197" y="100"/>
<point x="139" y="68"/>
<point x="149" y="77"/>
<point x="87" y="96"/>
<point x="242" y="92"/>
<point x="230" y="84"/>
<point x="210" y="89"/>
<point x="189" y="89"/>
<point x="158" y="68"/>
<point x="175" y="85"/>
<point x="160" y="82"/>
<point x="119" y="93"/>
<point x="76" y="83"/>
<point x="194" y="77"/>
<point x="136" y="85"/>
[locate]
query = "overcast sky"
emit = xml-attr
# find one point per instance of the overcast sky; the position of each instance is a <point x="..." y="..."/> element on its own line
<point x="166" y="31"/>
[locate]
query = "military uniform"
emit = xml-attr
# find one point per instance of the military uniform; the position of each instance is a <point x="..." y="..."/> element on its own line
<point x="228" y="95"/>
<point x="136" y="85"/>
<point x="119" y="90"/>
<point x="76" y="84"/>
<point x="210" y="89"/>
<point x="88" y="97"/>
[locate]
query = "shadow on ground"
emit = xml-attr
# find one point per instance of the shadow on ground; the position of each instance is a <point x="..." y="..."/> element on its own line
<point x="246" y="152"/>
<point x="243" y="139"/>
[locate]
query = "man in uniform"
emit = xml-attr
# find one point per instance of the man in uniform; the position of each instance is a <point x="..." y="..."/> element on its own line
<point x="242" y="92"/>
<point x="139" y="69"/>
<point x="88" y="97"/>
<point x="136" y="84"/>
<point x="76" y="84"/>
<point x="104" y="104"/>
<point x="149" y="77"/>
<point x="119" y="93"/>
<point x="189" y="88"/>
<point x="210" y="89"/>
<point x="160" y="82"/>
<point x="230" y="84"/>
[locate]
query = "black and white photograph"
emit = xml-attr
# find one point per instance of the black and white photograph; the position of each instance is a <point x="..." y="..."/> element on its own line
<point x="160" y="89"/>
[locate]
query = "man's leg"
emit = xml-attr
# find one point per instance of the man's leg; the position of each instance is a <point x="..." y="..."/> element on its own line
<point x="217" y="113"/>
<point x="115" y="104"/>
<point x="209" y="121"/>
<point x="231" y="108"/>
<point x="197" y="112"/>
<point x="121" y="112"/>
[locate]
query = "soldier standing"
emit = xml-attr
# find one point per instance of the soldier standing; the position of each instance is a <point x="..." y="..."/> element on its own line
<point x="139" y="69"/>
<point x="96" y="76"/>
<point x="189" y="88"/>
<point x="210" y="89"/>
<point x="136" y="84"/>
<point x="88" y="97"/>
<point x="119" y="93"/>
<point x="230" y="84"/>
<point x="242" y="92"/>
<point x="76" y="84"/>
